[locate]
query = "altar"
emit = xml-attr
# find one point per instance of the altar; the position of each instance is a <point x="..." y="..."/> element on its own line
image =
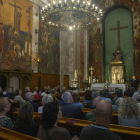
<point x="99" y="86"/>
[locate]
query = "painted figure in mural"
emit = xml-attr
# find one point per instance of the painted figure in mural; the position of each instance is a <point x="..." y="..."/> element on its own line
<point x="108" y="3"/>
<point x="7" y="37"/>
<point x="137" y="40"/>
<point x="98" y="45"/>
<point x="8" y="58"/>
<point x="17" y="45"/>
<point x="29" y="19"/>
<point x="1" y="35"/>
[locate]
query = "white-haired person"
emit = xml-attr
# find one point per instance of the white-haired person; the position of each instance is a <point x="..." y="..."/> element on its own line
<point x="4" y="108"/>
<point x="46" y="99"/>
<point x="128" y="113"/>
<point x="30" y="97"/>
<point x="27" y="89"/>
<point x="68" y="109"/>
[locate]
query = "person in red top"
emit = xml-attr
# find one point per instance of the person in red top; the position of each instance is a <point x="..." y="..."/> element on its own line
<point x="38" y="96"/>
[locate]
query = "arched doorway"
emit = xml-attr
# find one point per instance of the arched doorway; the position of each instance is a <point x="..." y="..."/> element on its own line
<point x="3" y="82"/>
<point x="25" y="83"/>
<point x="14" y="82"/>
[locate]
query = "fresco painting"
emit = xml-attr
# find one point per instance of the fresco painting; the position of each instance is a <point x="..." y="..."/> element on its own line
<point x="49" y="50"/>
<point x="16" y="34"/>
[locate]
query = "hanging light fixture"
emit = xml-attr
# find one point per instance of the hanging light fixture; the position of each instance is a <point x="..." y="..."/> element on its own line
<point x="70" y="15"/>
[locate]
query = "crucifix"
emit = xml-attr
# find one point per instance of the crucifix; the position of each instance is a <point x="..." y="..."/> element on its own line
<point x="118" y="29"/>
<point x="17" y="15"/>
<point x="91" y="69"/>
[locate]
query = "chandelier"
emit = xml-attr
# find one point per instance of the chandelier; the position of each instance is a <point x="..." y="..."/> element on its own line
<point x="71" y="14"/>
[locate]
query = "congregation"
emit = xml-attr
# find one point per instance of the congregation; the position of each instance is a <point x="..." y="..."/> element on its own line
<point x="69" y="105"/>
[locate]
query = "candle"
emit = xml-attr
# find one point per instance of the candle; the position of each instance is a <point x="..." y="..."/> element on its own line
<point x="89" y="79"/>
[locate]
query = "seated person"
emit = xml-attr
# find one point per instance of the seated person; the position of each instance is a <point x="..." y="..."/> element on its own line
<point x="93" y="95"/>
<point x="61" y="101"/>
<point x="68" y="109"/>
<point x="129" y="92"/>
<point x="1" y="93"/>
<point x="108" y="94"/>
<point x="44" y="92"/>
<point x="52" y="92"/>
<point x="4" y="108"/>
<point x="117" y="103"/>
<point x="135" y="95"/>
<point x="38" y="96"/>
<point x="9" y="95"/>
<point x="46" y="99"/>
<point x="104" y="96"/>
<point x="27" y="89"/>
<point x="49" y="129"/>
<point x="128" y="113"/>
<point x="25" y="123"/>
<point x="76" y="98"/>
<point x="87" y="96"/>
<point x="18" y="96"/>
<point x="100" y="129"/>
<point x="35" y="91"/>
<point x="30" y="97"/>
<point x="119" y="94"/>
<point x="91" y="115"/>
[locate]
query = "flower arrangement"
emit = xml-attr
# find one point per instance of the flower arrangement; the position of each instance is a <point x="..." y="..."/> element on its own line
<point x="85" y="82"/>
<point x="106" y="85"/>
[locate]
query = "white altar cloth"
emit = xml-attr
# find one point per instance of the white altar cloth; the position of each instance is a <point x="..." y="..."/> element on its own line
<point x="99" y="86"/>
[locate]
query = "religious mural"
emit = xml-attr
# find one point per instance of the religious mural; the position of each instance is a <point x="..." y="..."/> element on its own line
<point x="134" y="5"/>
<point x="48" y="50"/>
<point x="15" y="34"/>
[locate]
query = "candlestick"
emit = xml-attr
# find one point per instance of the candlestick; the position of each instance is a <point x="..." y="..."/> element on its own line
<point x="89" y="79"/>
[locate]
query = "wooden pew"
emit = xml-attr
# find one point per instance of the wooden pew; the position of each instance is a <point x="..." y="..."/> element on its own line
<point x="126" y="133"/>
<point x="7" y="134"/>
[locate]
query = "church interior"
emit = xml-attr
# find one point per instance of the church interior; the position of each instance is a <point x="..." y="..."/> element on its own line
<point x="82" y="47"/>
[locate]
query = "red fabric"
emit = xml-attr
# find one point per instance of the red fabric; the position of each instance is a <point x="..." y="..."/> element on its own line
<point x="37" y="96"/>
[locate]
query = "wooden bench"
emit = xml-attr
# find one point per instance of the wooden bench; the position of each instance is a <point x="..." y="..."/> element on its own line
<point x="37" y="116"/>
<point x="7" y="134"/>
<point x="126" y="133"/>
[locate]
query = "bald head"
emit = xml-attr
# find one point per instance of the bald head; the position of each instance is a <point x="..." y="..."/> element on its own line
<point x="103" y="109"/>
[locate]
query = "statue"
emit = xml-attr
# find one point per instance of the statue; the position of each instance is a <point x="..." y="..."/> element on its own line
<point x="75" y="75"/>
<point x="118" y="55"/>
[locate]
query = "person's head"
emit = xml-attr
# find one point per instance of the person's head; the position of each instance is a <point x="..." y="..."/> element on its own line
<point x="26" y="112"/>
<point x="44" y="87"/>
<point x="137" y="97"/>
<point x="88" y="95"/>
<point x="76" y="97"/>
<point x="27" y="89"/>
<point x="4" y="105"/>
<point x="63" y="89"/>
<point x="94" y="94"/>
<point x="18" y="92"/>
<point x="67" y="98"/>
<point x="119" y="93"/>
<point x="118" y="101"/>
<point x="30" y="96"/>
<point x="9" y="90"/>
<point x="103" y="93"/>
<point x="39" y="91"/>
<point x="47" y="99"/>
<point x="52" y="91"/>
<point x="35" y="89"/>
<point x="96" y="101"/>
<point x="133" y="77"/>
<point x="128" y="108"/>
<point x="139" y="89"/>
<point x="103" y="113"/>
<point x="51" y="115"/>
